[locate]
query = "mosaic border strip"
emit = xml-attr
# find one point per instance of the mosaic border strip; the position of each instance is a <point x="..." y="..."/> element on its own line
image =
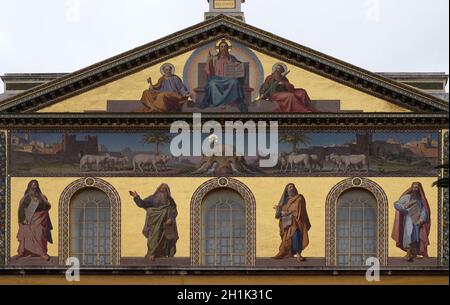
<point x="444" y="193"/>
<point x="3" y="208"/>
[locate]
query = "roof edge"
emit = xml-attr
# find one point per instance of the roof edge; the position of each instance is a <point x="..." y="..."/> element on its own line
<point x="222" y="26"/>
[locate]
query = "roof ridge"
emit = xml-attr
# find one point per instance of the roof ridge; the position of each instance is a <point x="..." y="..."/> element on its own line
<point x="223" y="26"/>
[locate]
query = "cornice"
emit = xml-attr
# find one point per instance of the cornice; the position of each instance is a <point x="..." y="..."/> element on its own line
<point x="409" y="121"/>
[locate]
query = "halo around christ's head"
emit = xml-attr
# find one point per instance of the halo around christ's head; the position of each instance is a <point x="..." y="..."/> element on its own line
<point x="163" y="67"/>
<point x="228" y="42"/>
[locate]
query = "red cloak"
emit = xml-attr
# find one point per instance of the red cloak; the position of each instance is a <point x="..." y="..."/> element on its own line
<point x="397" y="232"/>
<point x="295" y="100"/>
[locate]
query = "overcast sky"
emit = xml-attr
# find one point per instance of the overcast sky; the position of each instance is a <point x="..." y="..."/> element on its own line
<point x="378" y="35"/>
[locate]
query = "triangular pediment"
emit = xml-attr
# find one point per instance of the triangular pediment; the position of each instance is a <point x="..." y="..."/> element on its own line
<point x="320" y="81"/>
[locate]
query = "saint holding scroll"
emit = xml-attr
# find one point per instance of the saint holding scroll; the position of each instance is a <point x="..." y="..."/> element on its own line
<point x="294" y="224"/>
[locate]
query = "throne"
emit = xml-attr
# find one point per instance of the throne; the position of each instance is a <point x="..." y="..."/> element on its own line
<point x="203" y="79"/>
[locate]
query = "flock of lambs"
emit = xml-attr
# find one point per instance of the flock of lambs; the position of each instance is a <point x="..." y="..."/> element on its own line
<point x="312" y="162"/>
<point x="288" y="163"/>
<point x="140" y="162"/>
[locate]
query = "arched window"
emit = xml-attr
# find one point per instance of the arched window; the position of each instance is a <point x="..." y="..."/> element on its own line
<point x="90" y="227"/>
<point x="90" y="223"/>
<point x="223" y="224"/>
<point x="356" y="223"/>
<point x="356" y="227"/>
<point x="223" y="229"/>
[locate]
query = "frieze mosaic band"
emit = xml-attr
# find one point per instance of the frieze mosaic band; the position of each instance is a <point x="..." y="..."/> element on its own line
<point x="385" y="153"/>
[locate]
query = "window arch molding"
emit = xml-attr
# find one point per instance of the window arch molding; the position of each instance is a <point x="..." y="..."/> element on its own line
<point x="64" y="216"/>
<point x="196" y="215"/>
<point x="382" y="217"/>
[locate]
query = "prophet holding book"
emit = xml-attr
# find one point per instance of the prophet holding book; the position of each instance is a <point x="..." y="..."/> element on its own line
<point x="411" y="232"/>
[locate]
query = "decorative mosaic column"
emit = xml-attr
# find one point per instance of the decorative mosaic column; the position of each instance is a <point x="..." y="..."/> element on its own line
<point x="444" y="195"/>
<point x="3" y="237"/>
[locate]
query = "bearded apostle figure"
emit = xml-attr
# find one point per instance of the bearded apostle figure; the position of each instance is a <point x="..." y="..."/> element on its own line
<point x="279" y="90"/>
<point x="34" y="223"/>
<point x="160" y="224"/>
<point x="294" y="224"/>
<point x="412" y="222"/>
<point x="167" y="95"/>
<point x="222" y="89"/>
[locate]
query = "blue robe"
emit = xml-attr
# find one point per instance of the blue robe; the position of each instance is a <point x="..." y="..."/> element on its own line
<point x="173" y="84"/>
<point x="222" y="91"/>
<point x="296" y="245"/>
<point x="411" y="231"/>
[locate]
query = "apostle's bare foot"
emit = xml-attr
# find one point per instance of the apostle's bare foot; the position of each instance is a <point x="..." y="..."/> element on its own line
<point x="17" y="257"/>
<point x="301" y="259"/>
<point x="45" y="257"/>
<point x="152" y="258"/>
<point x="23" y="256"/>
<point x="410" y="258"/>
